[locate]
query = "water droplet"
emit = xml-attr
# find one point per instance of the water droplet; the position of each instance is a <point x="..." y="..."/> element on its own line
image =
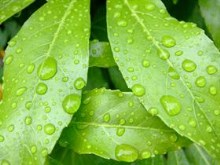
<point x="8" y="60"/>
<point x="138" y="90"/>
<point x="33" y="149"/>
<point x="171" y="105"/>
<point x="41" y="89"/>
<point x="126" y="153"/>
<point x="145" y="154"/>
<point x="179" y="53"/>
<point x="217" y="112"/>
<point x="116" y="49"/>
<point x="145" y="63"/>
<point x="30" y="68"/>
<point x="209" y="129"/>
<point x="44" y="152"/>
<point x="49" y="129"/>
<point x="71" y="103"/>
<point x="47" y="69"/>
<point x="153" y="111"/>
<point x="130" y="69"/>
<point x="211" y="69"/>
<point x="212" y="90"/>
<point x="122" y="23"/>
<point x="173" y="74"/>
<point x="28" y="105"/>
<point x="200" y="81"/>
<point x="173" y="138"/>
<point x="168" y="41"/>
<point x="189" y="65"/>
<point x="19" y="50"/>
<point x="202" y="142"/>
<point x="150" y="7"/>
<point x="120" y="131"/>
<point x="28" y="120"/>
<point x="163" y="54"/>
<point x="12" y="43"/>
<point x="11" y="128"/>
<point x="21" y="91"/>
<point x="182" y="127"/>
<point x="2" y="138"/>
<point x="79" y="83"/>
<point x="5" y="162"/>
<point x="106" y="117"/>
<point x="192" y="123"/>
<point x="122" y="121"/>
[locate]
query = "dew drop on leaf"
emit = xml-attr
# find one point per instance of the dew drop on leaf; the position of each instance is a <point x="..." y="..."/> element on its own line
<point x="41" y="89"/>
<point x="150" y="7"/>
<point x="182" y="127"/>
<point x="171" y="105"/>
<point x="173" y="74"/>
<point x="212" y="90"/>
<point x="145" y="63"/>
<point x="173" y="138"/>
<point x="138" y="90"/>
<point x="153" y="111"/>
<point x="120" y="131"/>
<point x="106" y="117"/>
<point x="2" y="138"/>
<point x="28" y="105"/>
<point x="163" y="54"/>
<point x="49" y="129"/>
<point x="21" y="91"/>
<point x="47" y="69"/>
<point x="30" y="68"/>
<point x="79" y="83"/>
<point x="179" y="53"/>
<point x="192" y="123"/>
<point x="71" y="103"/>
<point x="125" y="152"/>
<point x="8" y="60"/>
<point x="200" y="81"/>
<point x="145" y="154"/>
<point x="168" y="41"/>
<point x="33" y="149"/>
<point x="188" y="65"/>
<point x="211" y="69"/>
<point x="122" y="23"/>
<point x="28" y="120"/>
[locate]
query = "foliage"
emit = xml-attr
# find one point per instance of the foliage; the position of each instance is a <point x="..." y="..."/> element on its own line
<point x="135" y="84"/>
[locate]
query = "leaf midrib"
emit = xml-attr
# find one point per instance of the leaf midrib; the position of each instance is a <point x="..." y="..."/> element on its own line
<point x="168" y="61"/>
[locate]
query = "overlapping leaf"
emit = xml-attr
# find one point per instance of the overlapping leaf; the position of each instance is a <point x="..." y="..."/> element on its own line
<point x="10" y="7"/>
<point x="171" y="66"/>
<point x="211" y="12"/>
<point x="40" y="94"/>
<point x="115" y="125"/>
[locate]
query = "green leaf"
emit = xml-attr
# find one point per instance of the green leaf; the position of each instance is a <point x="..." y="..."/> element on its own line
<point x="115" y="125"/>
<point x="177" y="158"/>
<point x="211" y="12"/>
<point x="170" y="65"/>
<point x="10" y="7"/>
<point x="198" y="156"/>
<point x="100" y="54"/>
<point x="40" y="93"/>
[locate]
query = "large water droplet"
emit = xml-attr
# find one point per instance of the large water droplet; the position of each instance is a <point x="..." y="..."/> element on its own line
<point x="49" y="129"/>
<point x="47" y="69"/>
<point x="173" y="74"/>
<point x="171" y="105"/>
<point x="126" y="153"/>
<point x="21" y="91"/>
<point x="200" y="81"/>
<point x="188" y="65"/>
<point x="138" y="90"/>
<point x="71" y="103"/>
<point x="168" y="41"/>
<point x="79" y="83"/>
<point x="41" y="88"/>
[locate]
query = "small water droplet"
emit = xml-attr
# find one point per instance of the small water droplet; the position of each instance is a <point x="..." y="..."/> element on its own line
<point x="120" y="131"/>
<point x="125" y="152"/>
<point x="21" y="91"/>
<point x="171" y="105"/>
<point x="44" y="152"/>
<point x="192" y="123"/>
<point x="8" y="60"/>
<point x="173" y="74"/>
<point x="28" y="105"/>
<point x="116" y="49"/>
<point x="209" y="129"/>
<point x="122" y="23"/>
<point x="138" y="90"/>
<point x="150" y="7"/>
<point x="71" y="103"/>
<point x="41" y="89"/>
<point x="173" y="138"/>
<point x="212" y="90"/>
<point x="217" y="112"/>
<point x="145" y="63"/>
<point x="189" y="65"/>
<point x="49" y="129"/>
<point x="11" y="128"/>
<point x="168" y="41"/>
<point x="2" y="138"/>
<point x="211" y="69"/>
<point x="19" y="50"/>
<point x="106" y="117"/>
<point x="79" y="83"/>
<point x="179" y="53"/>
<point x="200" y="81"/>
<point x="12" y="43"/>
<point x="122" y="121"/>
<point x="33" y="149"/>
<point x="153" y="111"/>
<point x="30" y="68"/>
<point x="47" y="69"/>
<point x="182" y="127"/>
<point x="145" y="154"/>
<point x="28" y="120"/>
<point x="163" y="54"/>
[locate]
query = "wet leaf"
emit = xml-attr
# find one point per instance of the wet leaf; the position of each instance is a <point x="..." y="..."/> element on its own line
<point x="177" y="158"/>
<point x="39" y="94"/>
<point x="170" y="65"/>
<point x="115" y="125"/>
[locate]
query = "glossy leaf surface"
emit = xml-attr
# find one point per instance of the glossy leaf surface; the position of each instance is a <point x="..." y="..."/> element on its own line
<point x="170" y="65"/>
<point x="40" y="95"/>
<point x="10" y="7"/>
<point x="115" y="125"/>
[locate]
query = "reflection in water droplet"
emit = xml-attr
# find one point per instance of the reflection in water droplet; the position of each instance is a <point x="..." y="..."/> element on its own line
<point x="189" y="65"/>
<point x="138" y="90"/>
<point x="71" y="103"/>
<point x="47" y="69"/>
<point x="171" y="105"/>
<point x="125" y="152"/>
